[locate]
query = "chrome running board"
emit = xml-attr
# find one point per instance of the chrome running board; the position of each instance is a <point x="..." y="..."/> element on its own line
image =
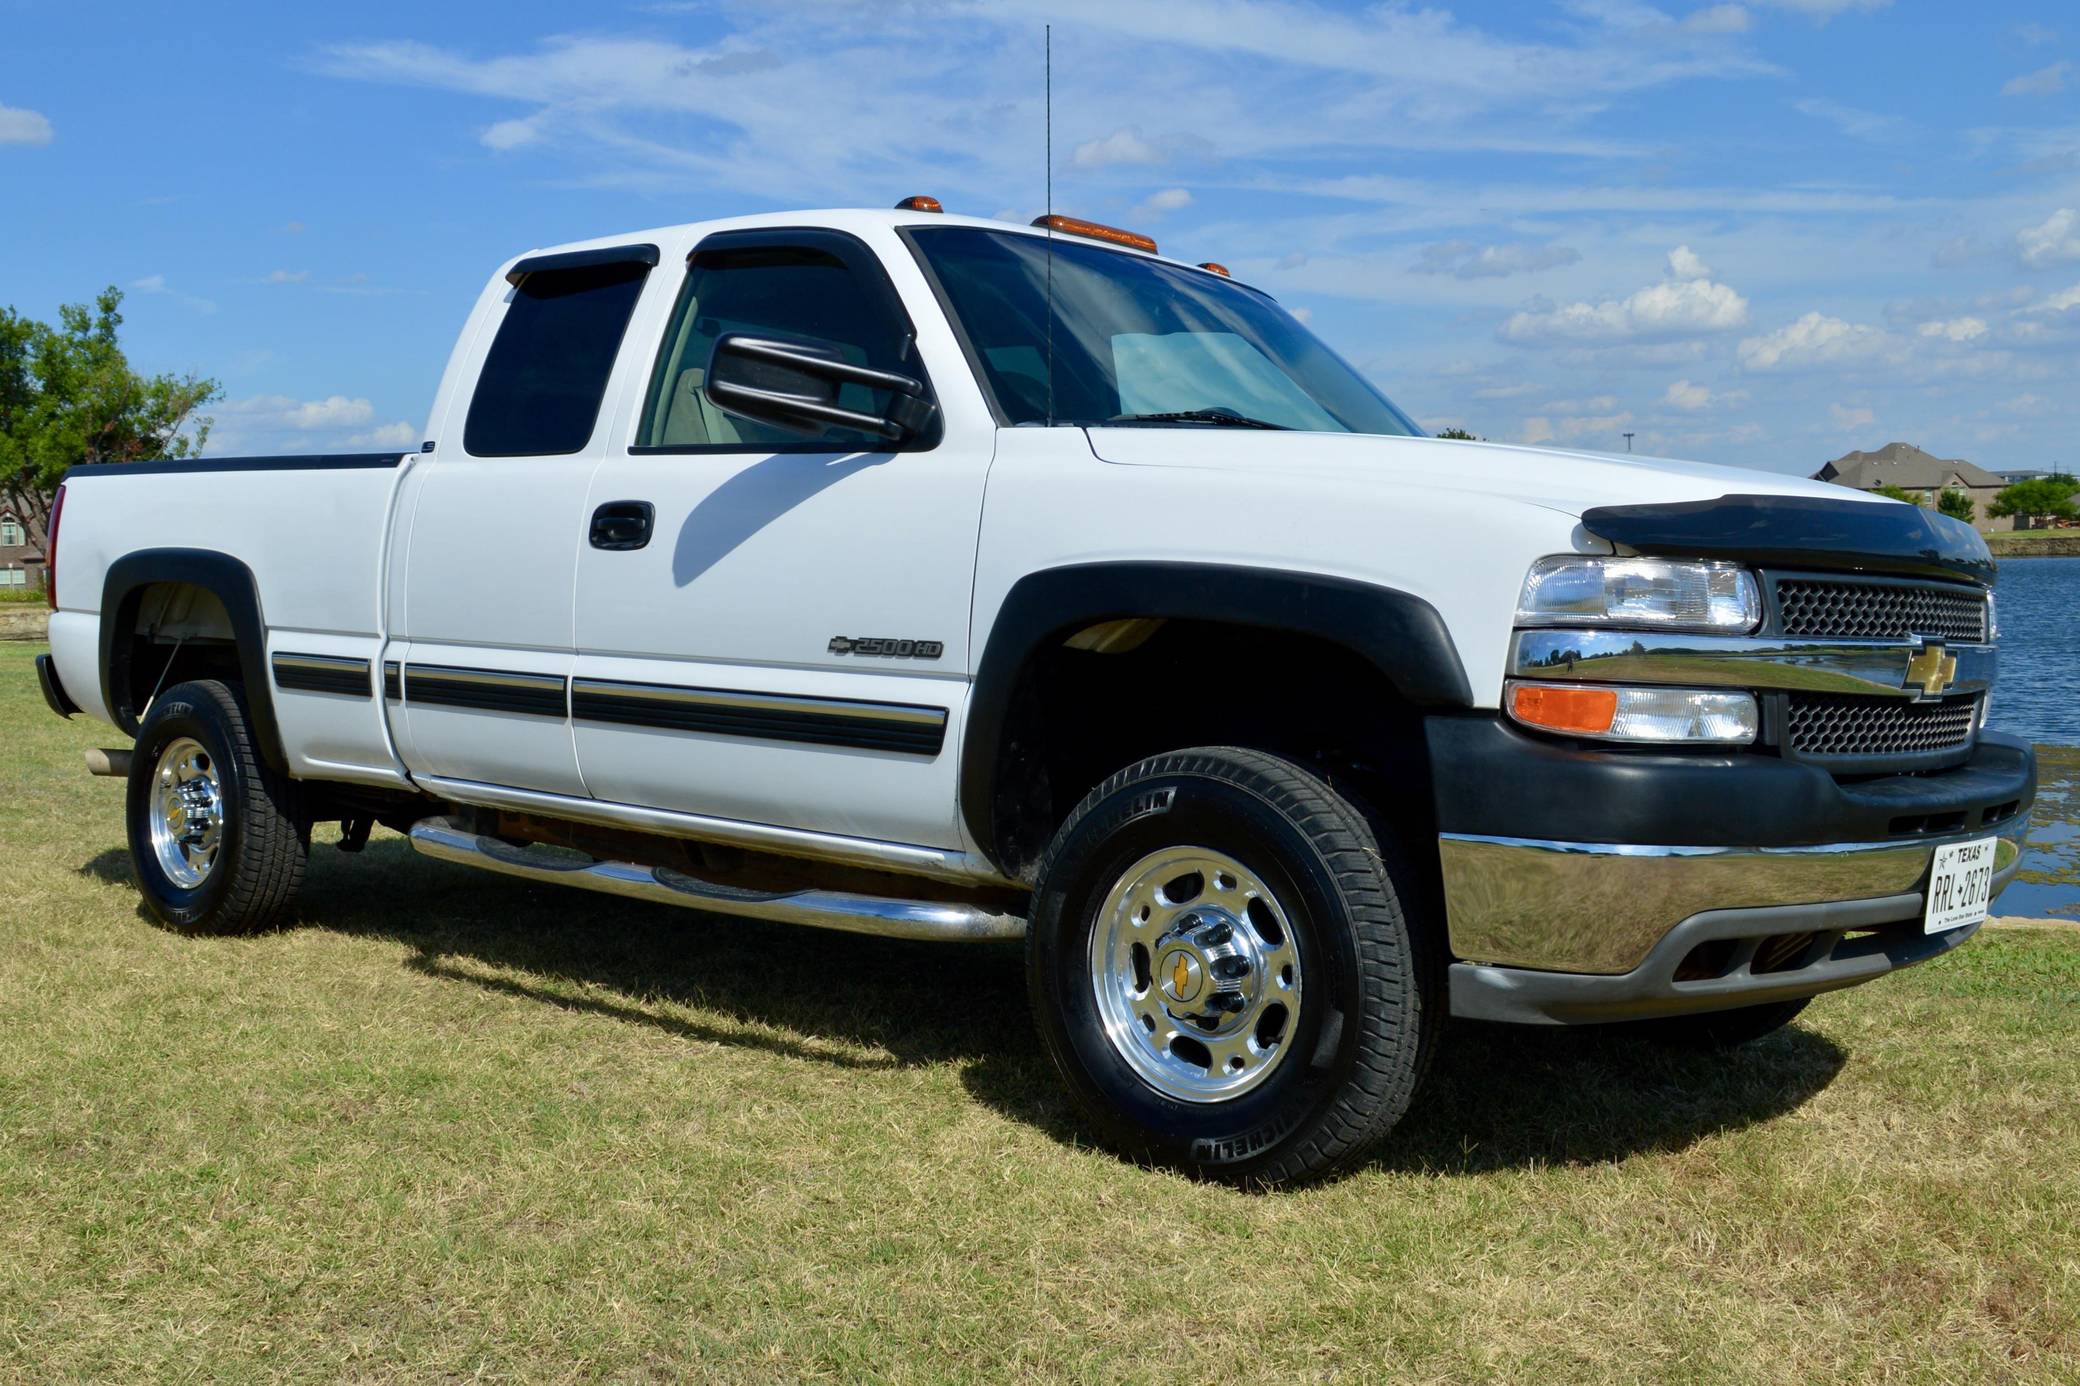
<point x="446" y="840"/>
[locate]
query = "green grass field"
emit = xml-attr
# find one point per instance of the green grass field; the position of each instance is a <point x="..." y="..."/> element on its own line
<point x="449" y="1126"/>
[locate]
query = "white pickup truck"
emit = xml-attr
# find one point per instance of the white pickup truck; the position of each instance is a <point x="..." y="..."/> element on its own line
<point x="945" y="578"/>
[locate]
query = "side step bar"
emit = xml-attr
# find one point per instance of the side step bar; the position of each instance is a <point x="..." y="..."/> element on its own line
<point x="444" y="839"/>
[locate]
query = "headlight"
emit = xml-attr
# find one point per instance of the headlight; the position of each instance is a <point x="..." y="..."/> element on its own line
<point x="1649" y="593"/>
<point x="1993" y="619"/>
<point x="1653" y="716"/>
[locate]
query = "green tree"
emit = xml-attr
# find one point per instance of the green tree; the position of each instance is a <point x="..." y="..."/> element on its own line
<point x="68" y="395"/>
<point x="1898" y="493"/>
<point x="1456" y="433"/>
<point x="1958" y="505"/>
<point x="2051" y="496"/>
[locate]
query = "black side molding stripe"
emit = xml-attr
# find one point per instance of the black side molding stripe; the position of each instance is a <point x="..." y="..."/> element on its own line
<point x="311" y="673"/>
<point x="906" y="727"/>
<point x="393" y="681"/>
<point x="301" y="462"/>
<point x="487" y="690"/>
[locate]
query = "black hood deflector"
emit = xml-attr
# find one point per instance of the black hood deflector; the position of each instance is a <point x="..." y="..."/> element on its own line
<point x="1801" y="532"/>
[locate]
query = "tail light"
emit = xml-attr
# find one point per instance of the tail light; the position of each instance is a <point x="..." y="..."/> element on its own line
<point x="50" y="549"/>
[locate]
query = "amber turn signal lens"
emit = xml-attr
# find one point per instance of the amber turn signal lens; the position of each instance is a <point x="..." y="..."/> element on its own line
<point x="1215" y="267"/>
<point x="919" y="203"/>
<point x="1097" y="231"/>
<point x="1585" y="711"/>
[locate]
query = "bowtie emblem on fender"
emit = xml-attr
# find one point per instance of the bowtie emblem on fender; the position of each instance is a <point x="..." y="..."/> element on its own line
<point x="1930" y="671"/>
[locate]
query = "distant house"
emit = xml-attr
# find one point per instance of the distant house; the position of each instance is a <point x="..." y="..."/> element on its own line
<point x="21" y="562"/>
<point x="1926" y="476"/>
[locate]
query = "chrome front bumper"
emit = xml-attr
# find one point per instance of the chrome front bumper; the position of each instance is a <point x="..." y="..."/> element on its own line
<point x="1588" y="907"/>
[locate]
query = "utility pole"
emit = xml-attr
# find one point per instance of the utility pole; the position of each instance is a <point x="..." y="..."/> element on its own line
<point x="1628" y="442"/>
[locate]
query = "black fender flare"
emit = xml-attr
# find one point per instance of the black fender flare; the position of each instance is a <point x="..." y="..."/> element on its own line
<point x="230" y="582"/>
<point x="1399" y="633"/>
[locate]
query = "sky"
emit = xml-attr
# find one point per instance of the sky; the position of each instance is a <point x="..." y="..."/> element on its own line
<point x="1761" y="233"/>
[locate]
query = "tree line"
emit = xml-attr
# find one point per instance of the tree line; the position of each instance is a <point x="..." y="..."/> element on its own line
<point x="68" y="395"/>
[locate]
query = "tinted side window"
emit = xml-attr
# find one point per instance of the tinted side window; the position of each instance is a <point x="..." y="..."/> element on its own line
<point x="547" y="369"/>
<point x="799" y="294"/>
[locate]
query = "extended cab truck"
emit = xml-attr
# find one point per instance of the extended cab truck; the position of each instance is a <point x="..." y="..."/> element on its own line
<point x="949" y="579"/>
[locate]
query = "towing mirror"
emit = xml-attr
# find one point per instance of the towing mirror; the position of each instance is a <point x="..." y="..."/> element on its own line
<point x="795" y="386"/>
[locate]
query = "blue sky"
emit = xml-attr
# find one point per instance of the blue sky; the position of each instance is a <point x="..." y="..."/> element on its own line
<point x="1760" y="232"/>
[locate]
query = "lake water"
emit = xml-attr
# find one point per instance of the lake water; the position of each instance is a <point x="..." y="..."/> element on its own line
<point x="2039" y="697"/>
<point x="2039" y="692"/>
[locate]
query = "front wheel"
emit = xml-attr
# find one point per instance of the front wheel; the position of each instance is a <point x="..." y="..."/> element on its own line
<point x="217" y="838"/>
<point x="1223" y="966"/>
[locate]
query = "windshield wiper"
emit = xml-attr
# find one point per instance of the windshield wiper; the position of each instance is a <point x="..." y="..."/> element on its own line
<point x="1223" y="416"/>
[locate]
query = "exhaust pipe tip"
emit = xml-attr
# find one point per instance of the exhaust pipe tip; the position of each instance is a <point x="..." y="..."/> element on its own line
<point x="110" y="763"/>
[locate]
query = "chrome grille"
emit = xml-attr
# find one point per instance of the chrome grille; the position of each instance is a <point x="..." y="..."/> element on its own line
<point x="1880" y="610"/>
<point x="1822" y="727"/>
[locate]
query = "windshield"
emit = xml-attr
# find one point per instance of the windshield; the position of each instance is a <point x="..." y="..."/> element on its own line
<point x="1138" y="341"/>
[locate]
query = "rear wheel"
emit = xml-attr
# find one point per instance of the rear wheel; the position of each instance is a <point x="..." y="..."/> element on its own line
<point x="218" y="840"/>
<point x="1222" y="968"/>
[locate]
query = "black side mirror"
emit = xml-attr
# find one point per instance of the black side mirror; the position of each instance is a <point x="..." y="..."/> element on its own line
<point x="795" y="386"/>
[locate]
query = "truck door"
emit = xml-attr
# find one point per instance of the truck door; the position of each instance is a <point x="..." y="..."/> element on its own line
<point x="786" y="642"/>
<point x="494" y="533"/>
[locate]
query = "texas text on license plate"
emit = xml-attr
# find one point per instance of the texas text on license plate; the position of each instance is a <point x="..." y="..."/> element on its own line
<point x="1960" y="882"/>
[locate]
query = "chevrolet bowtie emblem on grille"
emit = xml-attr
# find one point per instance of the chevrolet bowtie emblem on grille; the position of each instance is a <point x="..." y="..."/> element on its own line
<point x="1930" y="672"/>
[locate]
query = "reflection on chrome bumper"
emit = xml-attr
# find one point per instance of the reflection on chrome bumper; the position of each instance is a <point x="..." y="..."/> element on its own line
<point x="1601" y="907"/>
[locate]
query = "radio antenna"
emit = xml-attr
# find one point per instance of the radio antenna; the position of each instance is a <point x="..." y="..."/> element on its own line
<point x="1047" y="86"/>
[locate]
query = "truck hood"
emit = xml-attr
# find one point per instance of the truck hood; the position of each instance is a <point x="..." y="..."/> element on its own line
<point x="1553" y="478"/>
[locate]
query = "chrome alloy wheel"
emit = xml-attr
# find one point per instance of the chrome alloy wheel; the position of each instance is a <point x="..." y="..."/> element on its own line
<point x="1196" y="974"/>
<point x="187" y="813"/>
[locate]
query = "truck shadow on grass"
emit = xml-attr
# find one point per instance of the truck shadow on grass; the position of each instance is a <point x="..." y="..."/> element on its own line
<point x="1500" y="1097"/>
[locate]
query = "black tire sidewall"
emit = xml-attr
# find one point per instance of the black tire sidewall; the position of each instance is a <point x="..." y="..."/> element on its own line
<point x="1241" y="1132"/>
<point x="186" y="711"/>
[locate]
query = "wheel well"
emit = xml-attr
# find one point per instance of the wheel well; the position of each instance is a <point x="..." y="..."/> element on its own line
<point x="177" y="631"/>
<point x="1113" y="693"/>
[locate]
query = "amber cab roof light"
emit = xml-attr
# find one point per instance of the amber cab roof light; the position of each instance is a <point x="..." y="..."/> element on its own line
<point x="1072" y="226"/>
<point x="919" y="203"/>
<point x="1214" y="267"/>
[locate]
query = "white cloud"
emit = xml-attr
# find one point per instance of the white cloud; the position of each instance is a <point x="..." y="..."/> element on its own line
<point x="2054" y="242"/>
<point x="1684" y="263"/>
<point x="1849" y="418"/>
<point x="1466" y="260"/>
<point x="150" y="284"/>
<point x="1684" y="395"/>
<point x="1955" y="329"/>
<point x="391" y="435"/>
<point x="512" y="134"/>
<point x="1675" y="309"/>
<point x="1119" y="147"/>
<point x="1602" y="430"/>
<point x="1168" y="200"/>
<point x="284" y="411"/>
<point x="18" y="126"/>
<point x="156" y="284"/>
<point x="1857" y="124"/>
<point x="2036" y="35"/>
<point x="1814" y="339"/>
<point x="1718" y="19"/>
<point x="1826" y="9"/>
<point x="288" y="276"/>
<point x="2043" y="82"/>
<point x="2059" y="302"/>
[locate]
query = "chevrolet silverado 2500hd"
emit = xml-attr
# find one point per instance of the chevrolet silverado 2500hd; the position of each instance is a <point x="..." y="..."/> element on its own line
<point x="944" y="578"/>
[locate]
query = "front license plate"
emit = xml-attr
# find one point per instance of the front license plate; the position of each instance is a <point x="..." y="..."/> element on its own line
<point x="1960" y="882"/>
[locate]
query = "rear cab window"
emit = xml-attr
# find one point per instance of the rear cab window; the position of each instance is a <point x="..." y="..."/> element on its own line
<point x="542" y="382"/>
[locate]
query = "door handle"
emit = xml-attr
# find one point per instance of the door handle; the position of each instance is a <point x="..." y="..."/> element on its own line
<point x="622" y="525"/>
